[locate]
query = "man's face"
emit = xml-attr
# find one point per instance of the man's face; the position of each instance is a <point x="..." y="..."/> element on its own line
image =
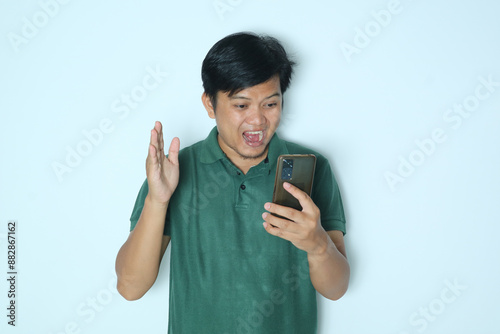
<point x="247" y="120"/>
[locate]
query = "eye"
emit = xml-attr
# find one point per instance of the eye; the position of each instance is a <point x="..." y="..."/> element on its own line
<point x="271" y="105"/>
<point x="240" y="106"/>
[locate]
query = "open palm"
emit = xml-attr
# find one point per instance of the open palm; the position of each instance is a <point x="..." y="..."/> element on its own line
<point x="162" y="171"/>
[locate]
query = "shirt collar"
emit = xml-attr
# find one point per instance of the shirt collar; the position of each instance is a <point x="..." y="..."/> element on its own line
<point x="212" y="152"/>
<point x="277" y="147"/>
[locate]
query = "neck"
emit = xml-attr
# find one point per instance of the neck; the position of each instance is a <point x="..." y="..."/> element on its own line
<point x="242" y="162"/>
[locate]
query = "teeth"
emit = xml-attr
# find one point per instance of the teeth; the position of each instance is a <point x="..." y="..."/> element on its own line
<point x="260" y="133"/>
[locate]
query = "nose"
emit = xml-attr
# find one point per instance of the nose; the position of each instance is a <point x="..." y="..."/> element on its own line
<point x="256" y="116"/>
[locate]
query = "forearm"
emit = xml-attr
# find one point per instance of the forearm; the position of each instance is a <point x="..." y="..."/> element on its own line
<point x="329" y="270"/>
<point x="138" y="260"/>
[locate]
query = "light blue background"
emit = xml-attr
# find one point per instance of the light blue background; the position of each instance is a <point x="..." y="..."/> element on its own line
<point x="363" y="112"/>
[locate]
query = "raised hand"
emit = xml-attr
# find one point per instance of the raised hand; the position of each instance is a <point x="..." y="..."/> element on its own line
<point x="162" y="172"/>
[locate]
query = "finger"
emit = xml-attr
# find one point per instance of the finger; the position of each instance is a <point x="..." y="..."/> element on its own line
<point x="281" y="223"/>
<point x="155" y="141"/>
<point x="152" y="158"/>
<point x="173" y="151"/>
<point x="303" y="198"/>
<point x="158" y="128"/>
<point x="283" y="211"/>
<point x="278" y="232"/>
<point x="160" y="137"/>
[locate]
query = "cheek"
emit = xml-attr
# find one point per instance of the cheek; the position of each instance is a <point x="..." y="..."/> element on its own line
<point x="274" y="116"/>
<point x="230" y="124"/>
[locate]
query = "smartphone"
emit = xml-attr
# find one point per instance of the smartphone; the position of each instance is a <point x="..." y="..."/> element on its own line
<point x="297" y="169"/>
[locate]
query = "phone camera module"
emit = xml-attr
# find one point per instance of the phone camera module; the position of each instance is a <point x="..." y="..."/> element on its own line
<point x="286" y="172"/>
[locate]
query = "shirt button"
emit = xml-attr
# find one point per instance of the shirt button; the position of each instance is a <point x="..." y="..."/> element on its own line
<point x="242" y="187"/>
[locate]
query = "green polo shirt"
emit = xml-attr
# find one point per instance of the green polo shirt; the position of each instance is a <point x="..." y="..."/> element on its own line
<point x="227" y="274"/>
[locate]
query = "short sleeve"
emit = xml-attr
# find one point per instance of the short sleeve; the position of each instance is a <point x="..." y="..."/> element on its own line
<point x="139" y="204"/>
<point x="326" y="195"/>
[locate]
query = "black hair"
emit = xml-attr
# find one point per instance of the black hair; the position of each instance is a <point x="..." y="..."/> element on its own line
<point x="243" y="60"/>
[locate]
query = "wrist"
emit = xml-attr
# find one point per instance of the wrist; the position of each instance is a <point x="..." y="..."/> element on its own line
<point x="151" y="202"/>
<point x="321" y="251"/>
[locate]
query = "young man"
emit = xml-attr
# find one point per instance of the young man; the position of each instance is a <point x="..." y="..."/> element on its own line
<point x="235" y="268"/>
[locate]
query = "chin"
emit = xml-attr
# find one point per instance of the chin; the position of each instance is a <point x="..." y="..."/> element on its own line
<point x="253" y="153"/>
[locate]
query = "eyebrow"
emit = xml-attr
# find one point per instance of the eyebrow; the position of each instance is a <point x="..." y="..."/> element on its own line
<point x="234" y="97"/>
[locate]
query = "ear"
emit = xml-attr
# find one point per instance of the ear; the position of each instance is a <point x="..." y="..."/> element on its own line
<point x="207" y="103"/>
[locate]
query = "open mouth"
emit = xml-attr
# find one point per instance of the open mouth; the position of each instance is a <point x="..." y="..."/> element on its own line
<point x="253" y="138"/>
